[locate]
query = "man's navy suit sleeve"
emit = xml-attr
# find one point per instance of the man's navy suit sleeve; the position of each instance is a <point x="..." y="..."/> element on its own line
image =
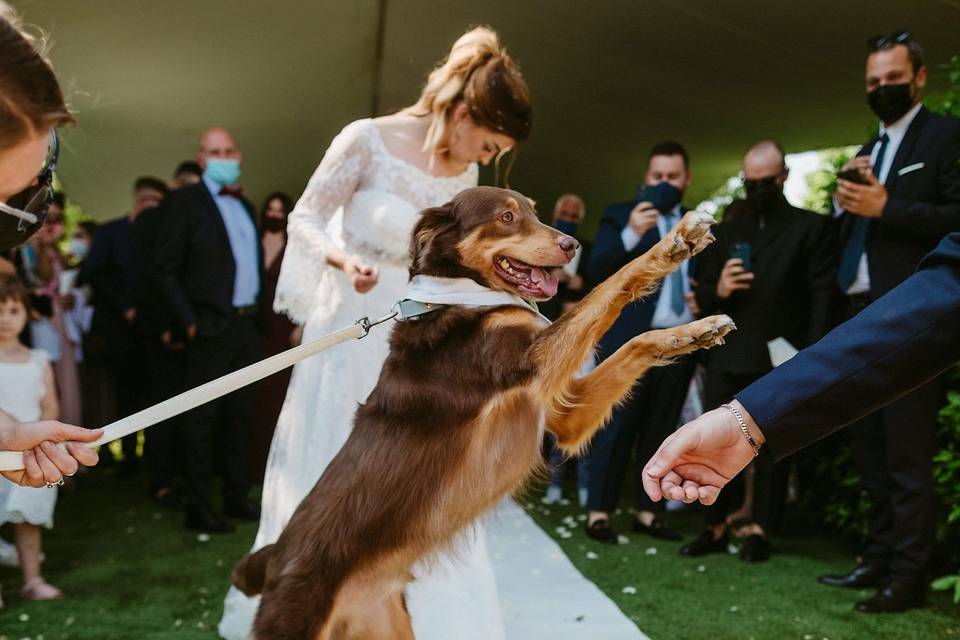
<point x="96" y="268"/>
<point x="904" y="339"/>
<point x="608" y="254"/>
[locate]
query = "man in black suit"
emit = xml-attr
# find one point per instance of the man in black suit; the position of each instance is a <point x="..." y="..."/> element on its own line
<point x="627" y="230"/>
<point x="107" y="269"/>
<point x="910" y="200"/>
<point x="208" y="272"/>
<point x="772" y="269"/>
<point x="897" y="344"/>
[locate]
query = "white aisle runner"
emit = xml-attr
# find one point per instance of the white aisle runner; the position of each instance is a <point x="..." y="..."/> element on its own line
<point x="542" y="595"/>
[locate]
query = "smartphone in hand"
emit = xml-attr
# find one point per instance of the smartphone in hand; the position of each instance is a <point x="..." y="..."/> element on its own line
<point x="741" y="250"/>
<point x="853" y="175"/>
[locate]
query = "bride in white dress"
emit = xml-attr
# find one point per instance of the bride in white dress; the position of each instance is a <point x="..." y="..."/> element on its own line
<point x="349" y="235"/>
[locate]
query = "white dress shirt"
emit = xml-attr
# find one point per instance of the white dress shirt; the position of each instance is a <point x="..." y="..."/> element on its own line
<point x="664" y="316"/>
<point x="895" y="133"/>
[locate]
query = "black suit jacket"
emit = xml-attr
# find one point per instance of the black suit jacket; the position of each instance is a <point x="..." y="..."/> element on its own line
<point x="904" y="339"/>
<point x="107" y="269"/>
<point x="793" y="260"/>
<point x="193" y="261"/>
<point x="923" y="203"/>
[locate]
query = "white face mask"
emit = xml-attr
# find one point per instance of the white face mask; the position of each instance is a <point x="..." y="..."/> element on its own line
<point x="79" y="248"/>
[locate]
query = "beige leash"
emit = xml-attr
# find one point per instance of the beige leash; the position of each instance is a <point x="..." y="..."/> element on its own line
<point x="13" y="460"/>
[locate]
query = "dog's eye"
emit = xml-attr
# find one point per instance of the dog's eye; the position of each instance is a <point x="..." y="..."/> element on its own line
<point x="507" y="216"/>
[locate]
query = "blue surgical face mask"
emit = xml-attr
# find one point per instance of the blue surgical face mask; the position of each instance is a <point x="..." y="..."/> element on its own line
<point x="567" y="227"/>
<point x="664" y="196"/>
<point x="222" y="171"/>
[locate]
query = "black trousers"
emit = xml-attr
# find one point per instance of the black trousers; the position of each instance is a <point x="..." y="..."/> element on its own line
<point x="166" y="376"/>
<point x="224" y="423"/>
<point x="130" y="380"/>
<point x="893" y="449"/>
<point x="769" y="480"/>
<point x="642" y="423"/>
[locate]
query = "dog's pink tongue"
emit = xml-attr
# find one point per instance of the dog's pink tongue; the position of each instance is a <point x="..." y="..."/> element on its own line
<point x="547" y="283"/>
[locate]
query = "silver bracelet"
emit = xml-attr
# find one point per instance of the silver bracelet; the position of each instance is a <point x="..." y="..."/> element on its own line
<point x="743" y="427"/>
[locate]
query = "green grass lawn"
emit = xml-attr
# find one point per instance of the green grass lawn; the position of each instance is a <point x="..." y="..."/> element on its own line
<point x="131" y="571"/>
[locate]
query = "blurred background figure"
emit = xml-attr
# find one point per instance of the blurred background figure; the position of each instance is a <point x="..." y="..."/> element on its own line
<point x="281" y="333"/>
<point x="568" y="213"/>
<point x="187" y="172"/>
<point x="110" y="273"/>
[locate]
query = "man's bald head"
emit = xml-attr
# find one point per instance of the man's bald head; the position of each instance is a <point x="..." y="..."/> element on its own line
<point x="764" y="159"/>
<point x="217" y="142"/>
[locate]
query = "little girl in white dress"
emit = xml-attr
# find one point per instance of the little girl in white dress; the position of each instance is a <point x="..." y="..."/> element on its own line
<point x="27" y="394"/>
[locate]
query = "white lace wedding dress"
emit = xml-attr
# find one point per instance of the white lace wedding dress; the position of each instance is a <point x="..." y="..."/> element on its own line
<point x="365" y="201"/>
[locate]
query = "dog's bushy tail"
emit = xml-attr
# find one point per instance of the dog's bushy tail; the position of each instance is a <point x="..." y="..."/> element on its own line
<point x="251" y="571"/>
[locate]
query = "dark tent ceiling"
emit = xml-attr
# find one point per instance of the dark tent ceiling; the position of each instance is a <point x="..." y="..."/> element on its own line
<point x="608" y="80"/>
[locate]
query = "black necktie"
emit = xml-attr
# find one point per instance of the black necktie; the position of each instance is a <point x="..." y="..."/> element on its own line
<point x="857" y="242"/>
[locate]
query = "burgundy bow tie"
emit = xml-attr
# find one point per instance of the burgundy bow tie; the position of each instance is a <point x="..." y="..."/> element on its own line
<point x="233" y="192"/>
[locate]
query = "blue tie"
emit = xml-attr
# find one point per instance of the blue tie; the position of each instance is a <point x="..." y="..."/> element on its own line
<point x="857" y="242"/>
<point x="677" y="302"/>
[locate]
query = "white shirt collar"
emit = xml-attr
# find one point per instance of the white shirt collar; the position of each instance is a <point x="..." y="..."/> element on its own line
<point x="898" y="129"/>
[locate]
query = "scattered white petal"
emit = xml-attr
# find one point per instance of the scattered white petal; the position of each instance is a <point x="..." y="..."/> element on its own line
<point x="200" y="625"/>
<point x="203" y="590"/>
<point x="69" y="621"/>
<point x="582" y="517"/>
<point x="630" y="590"/>
<point x="734" y="609"/>
<point x="622" y="539"/>
<point x="732" y="549"/>
<point x="570" y="521"/>
<point x="24" y="617"/>
<point x="561" y="530"/>
<point x="591" y="555"/>
<point x="203" y="537"/>
<point x="566" y="535"/>
<point x="564" y="502"/>
<point x="701" y="568"/>
<point x="807" y="636"/>
<point x="651" y="551"/>
<point x="177" y="622"/>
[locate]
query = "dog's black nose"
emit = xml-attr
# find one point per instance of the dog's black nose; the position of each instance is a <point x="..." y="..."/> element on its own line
<point x="569" y="244"/>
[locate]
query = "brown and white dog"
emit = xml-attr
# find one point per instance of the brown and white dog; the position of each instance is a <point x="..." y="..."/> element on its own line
<point x="456" y="419"/>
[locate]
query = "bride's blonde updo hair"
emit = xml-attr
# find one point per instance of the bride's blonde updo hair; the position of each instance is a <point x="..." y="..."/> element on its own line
<point x="480" y="73"/>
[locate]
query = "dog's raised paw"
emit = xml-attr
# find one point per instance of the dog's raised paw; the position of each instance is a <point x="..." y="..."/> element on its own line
<point x="712" y="331"/>
<point x="692" y="235"/>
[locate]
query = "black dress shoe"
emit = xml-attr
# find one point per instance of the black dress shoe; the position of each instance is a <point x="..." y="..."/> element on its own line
<point x="243" y="509"/>
<point x="602" y="532"/>
<point x="657" y="529"/>
<point x="896" y="596"/>
<point x="705" y="543"/>
<point x="865" y="575"/>
<point x="756" y="548"/>
<point x="205" y="521"/>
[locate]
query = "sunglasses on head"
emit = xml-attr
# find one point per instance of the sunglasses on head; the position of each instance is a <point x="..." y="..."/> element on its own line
<point x="878" y="42"/>
<point x="31" y="204"/>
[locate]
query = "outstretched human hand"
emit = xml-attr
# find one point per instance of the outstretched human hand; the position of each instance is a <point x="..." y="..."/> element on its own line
<point x="701" y="457"/>
<point x="45" y="462"/>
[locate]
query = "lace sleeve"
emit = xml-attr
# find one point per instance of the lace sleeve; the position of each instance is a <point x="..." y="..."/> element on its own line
<point x="330" y="187"/>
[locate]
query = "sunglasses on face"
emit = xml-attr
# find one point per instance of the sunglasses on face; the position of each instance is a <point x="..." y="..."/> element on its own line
<point x="878" y="42"/>
<point x="31" y="204"/>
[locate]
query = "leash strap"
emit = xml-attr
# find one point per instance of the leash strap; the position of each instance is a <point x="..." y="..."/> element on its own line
<point x="13" y="460"/>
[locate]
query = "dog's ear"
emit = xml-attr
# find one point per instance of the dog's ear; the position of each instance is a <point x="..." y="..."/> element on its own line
<point x="432" y="223"/>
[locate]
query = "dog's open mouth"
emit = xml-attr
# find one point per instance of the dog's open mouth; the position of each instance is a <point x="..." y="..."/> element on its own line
<point x="533" y="282"/>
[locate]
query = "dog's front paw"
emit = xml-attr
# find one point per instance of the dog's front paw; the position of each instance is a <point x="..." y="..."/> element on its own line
<point x="691" y="235"/>
<point x="709" y="332"/>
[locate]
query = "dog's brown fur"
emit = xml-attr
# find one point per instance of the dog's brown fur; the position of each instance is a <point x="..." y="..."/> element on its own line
<point x="456" y="419"/>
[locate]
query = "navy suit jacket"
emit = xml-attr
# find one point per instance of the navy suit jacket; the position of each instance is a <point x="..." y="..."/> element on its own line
<point x="606" y="258"/>
<point x="904" y="339"/>
<point x="107" y="269"/>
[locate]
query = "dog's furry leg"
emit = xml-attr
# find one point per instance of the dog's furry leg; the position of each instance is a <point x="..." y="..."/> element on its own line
<point x="560" y="351"/>
<point x="591" y="399"/>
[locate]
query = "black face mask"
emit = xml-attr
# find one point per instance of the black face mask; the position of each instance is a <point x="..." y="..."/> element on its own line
<point x="274" y="224"/>
<point x="763" y="194"/>
<point x="890" y="101"/>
